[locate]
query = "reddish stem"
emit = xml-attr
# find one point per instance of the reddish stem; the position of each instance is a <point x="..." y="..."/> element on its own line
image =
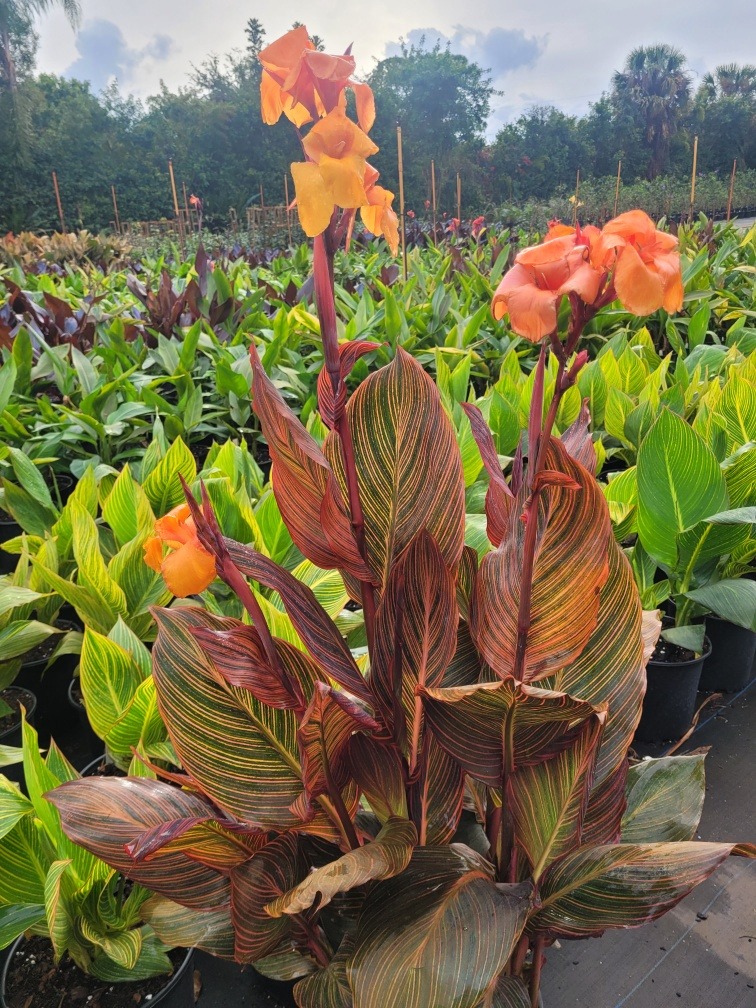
<point x="324" y="297"/>
<point x="535" y="976"/>
<point x="520" y="953"/>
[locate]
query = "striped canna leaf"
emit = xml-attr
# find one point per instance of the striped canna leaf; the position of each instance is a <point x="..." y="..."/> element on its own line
<point x="569" y="571"/>
<point x="620" y="885"/>
<point x="105" y="814"/>
<point x="266" y="876"/>
<point x="437" y="934"/>
<point x="318" y="632"/>
<point x="416" y="636"/>
<point x="303" y="483"/>
<point x="382" y="858"/>
<point x="664" y="799"/>
<point x="401" y="434"/>
<point x="492" y="729"/>
<point x="238" y="749"/>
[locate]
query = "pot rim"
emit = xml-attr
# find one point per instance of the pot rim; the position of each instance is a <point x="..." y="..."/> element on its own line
<point x="681" y="664"/>
<point x="30" y="708"/>
<point x="173" y="980"/>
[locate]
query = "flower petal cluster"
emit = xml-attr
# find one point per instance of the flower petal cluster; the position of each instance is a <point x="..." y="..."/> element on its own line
<point x="647" y="276"/>
<point x="187" y="568"/>
<point x="304" y="84"/>
<point x="378" y="215"/>
<point x="642" y="263"/>
<point x="530" y="291"/>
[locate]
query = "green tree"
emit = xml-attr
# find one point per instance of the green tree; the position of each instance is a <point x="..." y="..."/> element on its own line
<point x="442" y="101"/>
<point x="653" y="90"/>
<point x="724" y="117"/>
<point x="16" y="20"/>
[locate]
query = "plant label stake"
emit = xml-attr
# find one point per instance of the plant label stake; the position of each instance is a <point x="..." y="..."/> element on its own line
<point x="115" y="209"/>
<point x="179" y="222"/>
<point x="693" y="176"/>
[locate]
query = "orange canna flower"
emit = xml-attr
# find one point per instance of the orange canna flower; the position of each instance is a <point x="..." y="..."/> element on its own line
<point x="378" y="216"/>
<point x="188" y="568"/>
<point x="647" y="276"/>
<point x="304" y="84"/>
<point x="335" y="174"/>
<point x="530" y="291"/>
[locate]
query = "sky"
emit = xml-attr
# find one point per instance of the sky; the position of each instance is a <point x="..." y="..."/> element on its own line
<point x="538" y="51"/>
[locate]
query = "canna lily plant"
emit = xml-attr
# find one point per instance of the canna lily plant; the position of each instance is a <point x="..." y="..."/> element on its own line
<point x="413" y="825"/>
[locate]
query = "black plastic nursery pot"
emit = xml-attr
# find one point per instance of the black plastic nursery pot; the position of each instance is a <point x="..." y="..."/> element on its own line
<point x="88" y="741"/>
<point x="176" y="992"/>
<point x="670" y="700"/>
<point x="50" y="685"/>
<point x="732" y="663"/>
<point x="11" y="735"/>
<point x="8" y="530"/>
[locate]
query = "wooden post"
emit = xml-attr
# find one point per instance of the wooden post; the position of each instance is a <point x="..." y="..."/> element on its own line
<point x="459" y="199"/>
<point x="433" y="196"/>
<point x="115" y="209"/>
<point x="693" y="176"/>
<point x="288" y="211"/>
<point x="187" y="211"/>
<point x="617" y="187"/>
<point x="577" y="199"/>
<point x="402" y="234"/>
<point x="732" y="188"/>
<point x="179" y="222"/>
<point x="57" y="200"/>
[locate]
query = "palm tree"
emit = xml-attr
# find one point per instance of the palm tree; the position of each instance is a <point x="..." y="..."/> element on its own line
<point x="729" y="81"/>
<point x="16" y="17"/>
<point x="654" y="89"/>
<point x="17" y="38"/>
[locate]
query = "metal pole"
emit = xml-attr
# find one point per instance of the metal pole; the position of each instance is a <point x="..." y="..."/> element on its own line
<point x="57" y="200"/>
<point x="401" y="198"/>
<point x="732" y="188"/>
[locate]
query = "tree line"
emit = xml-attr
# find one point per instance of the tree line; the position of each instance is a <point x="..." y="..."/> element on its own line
<point x="212" y="131"/>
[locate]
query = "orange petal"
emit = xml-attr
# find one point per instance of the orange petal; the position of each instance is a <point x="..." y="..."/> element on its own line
<point x="532" y="312"/>
<point x="631" y="224"/>
<point x="515" y="277"/>
<point x="547" y="252"/>
<point x="188" y="570"/>
<point x="343" y="179"/>
<point x="286" y="51"/>
<point x="271" y="99"/>
<point x="336" y="136"/>
<point x="638" y="286"/>
<point x="314" y="202"/>
<point x="173" y="526"/>
<point x="365" y="102"/>
<point x="584" y="281"/>
<point x="153" y="553"/>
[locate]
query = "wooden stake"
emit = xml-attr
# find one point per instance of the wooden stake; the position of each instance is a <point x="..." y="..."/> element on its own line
<point x="402" y="234"/>
<point x="577" y="199"/>
<point x="433" y="196"/>
<point x="459" y="199"/>
<point x="286" y="201"/>
<point x="57" y="200"/>
<point x="187" y="211"/>
<point x="176" y="206"/>
<point x="732" y="188"/>
<point x="115" y="209"/>
<point x="693" y="176"/>
<point x="617" y="187"/>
